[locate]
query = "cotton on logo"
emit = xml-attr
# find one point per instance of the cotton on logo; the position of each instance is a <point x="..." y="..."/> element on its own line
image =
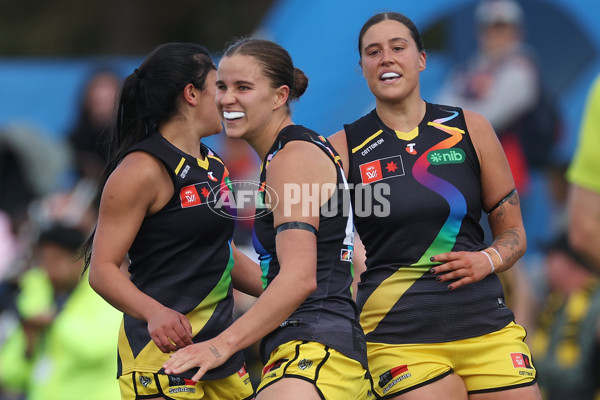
<point x="185" y="171"/>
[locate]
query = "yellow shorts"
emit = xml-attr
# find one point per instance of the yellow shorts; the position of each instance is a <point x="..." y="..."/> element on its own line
<point x="497" y="361"/>
<point x="334" y="375"/>
<point x="143" y="385"/>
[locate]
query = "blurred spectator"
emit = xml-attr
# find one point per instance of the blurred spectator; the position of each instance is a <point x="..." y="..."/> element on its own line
<point x="74" y="207"/>
<point x="87" y="137"/>
<point x="9" y="247"/>
<point x="566" y="343"/>
<point x="584" y="177"/>
<point x="65" y="345"/>
<point x="502" y="81"/>
<point x="31" y="166"/>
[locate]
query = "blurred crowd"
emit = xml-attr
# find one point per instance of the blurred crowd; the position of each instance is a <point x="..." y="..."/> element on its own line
<point x="58" y="338"/>
<point x="555" y="296"/>
<point x="56" y="334"/>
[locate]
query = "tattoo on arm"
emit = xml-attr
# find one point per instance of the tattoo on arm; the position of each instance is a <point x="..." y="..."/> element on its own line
<point x="215" y="352"/>
<point x="501" y="214"/>
<point x="512" y="198"/>
<point x="511" y="241"/>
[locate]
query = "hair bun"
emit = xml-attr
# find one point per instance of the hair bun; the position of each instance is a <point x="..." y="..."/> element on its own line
<point x="300" y="84"/>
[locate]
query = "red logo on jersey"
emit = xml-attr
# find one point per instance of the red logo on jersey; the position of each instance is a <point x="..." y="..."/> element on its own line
<point x="391" y="166"/>
<point x="242" y="371"/>
<point x="211" y="177"/>
<point x="520" y="360"/>
<point x="194" y="195"/>
<point x="389" y="376"/>
<point x="399" y="370"/>
<point x="179" y="381"/>
<point x="371" y="172"/>
<point x="274" y="366"/>
<point x="381" y="169"/>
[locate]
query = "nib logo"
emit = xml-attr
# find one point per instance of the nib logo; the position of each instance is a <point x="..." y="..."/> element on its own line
<point x="446" y="156"/>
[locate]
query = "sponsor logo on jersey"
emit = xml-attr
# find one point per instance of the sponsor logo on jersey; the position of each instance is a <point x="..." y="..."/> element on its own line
<point x="185" y="171"/>
<point x="410" y="149"/>
<point x="194" y="195"/>
<point x="305" y="363"/>
<point x="446" y="156"/>
<point x="182" y="390"/>
<point x="274" y="366"/>
<point x="382" y="168"/>
<point x="501" y="302"/>
<point x="346" y="255"/>
<point x="179" y="381"/>
<point x="387" y="376"/>
<point x="390" y="378"/>
<point x="211" y="177"/>
<point x="520" y="360"/>
<point x="368" y="149"/>
<point x="243" y="373"/>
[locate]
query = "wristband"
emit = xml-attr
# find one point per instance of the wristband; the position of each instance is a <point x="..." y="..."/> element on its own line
<point x="490" y="260"/>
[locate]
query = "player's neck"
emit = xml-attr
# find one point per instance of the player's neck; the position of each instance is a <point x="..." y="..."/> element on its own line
<point x="403" y="117"/>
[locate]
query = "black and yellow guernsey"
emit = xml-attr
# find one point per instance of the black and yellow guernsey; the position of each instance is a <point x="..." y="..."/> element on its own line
<point x="182" y="257"/>
<point x="329" y="315"/>
<point x="417" y="194"/>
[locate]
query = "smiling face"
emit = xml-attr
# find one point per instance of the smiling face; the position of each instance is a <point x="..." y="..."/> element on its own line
<point x="391" y="61"/>
<point x="245" y="98"/>
<point x="209" y="115"/>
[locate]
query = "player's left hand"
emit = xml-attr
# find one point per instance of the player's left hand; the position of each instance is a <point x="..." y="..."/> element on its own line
<point x="205" y="355"/>
<point x="465" y="267"/>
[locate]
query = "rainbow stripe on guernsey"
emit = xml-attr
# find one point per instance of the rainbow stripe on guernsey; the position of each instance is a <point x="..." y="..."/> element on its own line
<point x="264" y="258"/>
<point x="198" y="318"/>
<point x="226" y="189"/>
<point x="400" y="281"/>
